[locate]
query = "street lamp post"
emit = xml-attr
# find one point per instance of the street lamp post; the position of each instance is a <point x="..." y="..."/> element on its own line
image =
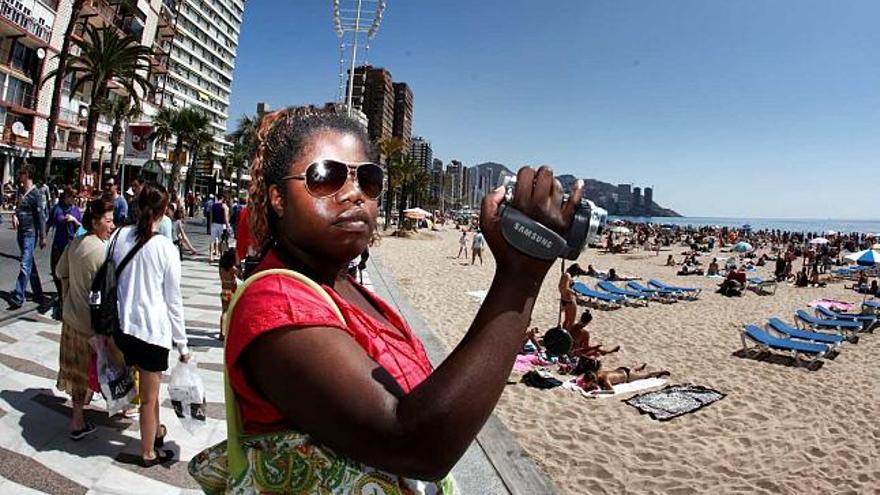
<point x="351" y="20"/>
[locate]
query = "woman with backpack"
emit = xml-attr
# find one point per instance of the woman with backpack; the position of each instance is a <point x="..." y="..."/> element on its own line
<point x="76" y="267"/>
<point x="150" y="312"/>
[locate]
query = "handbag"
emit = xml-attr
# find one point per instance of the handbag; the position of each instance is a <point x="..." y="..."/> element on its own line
<point x="289" y="461"/>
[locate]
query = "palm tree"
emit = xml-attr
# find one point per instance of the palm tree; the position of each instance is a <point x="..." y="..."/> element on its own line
<point x="245" y="135"/>
<point x="200" y="141"/>
<point x="105" y="59"/>
<point x="55" y="109"/>
<point x="391" y="150"/>
<point x="189" y="127"/>
<point x="407" y="172"/>
<point x="120" y="110"/>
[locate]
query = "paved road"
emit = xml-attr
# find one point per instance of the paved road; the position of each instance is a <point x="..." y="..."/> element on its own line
<point x="10" y="264"/>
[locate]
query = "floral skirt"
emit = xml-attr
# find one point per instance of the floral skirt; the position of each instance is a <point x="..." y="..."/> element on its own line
<point x="288" y="462"/>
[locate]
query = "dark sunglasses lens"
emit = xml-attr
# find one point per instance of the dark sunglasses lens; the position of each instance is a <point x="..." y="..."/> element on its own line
<point x="326" y="177"/>
<point x="369" y="178"/>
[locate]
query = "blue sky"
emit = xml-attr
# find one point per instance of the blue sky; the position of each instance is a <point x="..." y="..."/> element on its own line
<point x="728" y="108"/>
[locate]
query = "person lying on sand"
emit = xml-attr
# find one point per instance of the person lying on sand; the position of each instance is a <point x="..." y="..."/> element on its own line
<point x="605" y="380"/>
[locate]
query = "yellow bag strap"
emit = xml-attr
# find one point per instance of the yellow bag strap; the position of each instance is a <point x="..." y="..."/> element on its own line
<point x="235" y="456"/>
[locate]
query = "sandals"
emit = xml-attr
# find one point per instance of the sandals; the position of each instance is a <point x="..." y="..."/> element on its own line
<point x="162" y="456"/>
<point x="160" y="439"/>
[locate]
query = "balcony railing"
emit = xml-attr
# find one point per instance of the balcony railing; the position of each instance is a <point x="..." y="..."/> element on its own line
<point x="11" y="138"/>
<point x="69" y="116"/>
<point x="23" y="18"/>
<point x="24" y="98"/>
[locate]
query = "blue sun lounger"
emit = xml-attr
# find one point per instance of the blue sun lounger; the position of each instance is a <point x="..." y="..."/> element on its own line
<point x="872" y="304"/>
<point x="628" y="294"/>
<point x="832" y="339"/>
<point x="664" y="296"/>
<point x="609" y="300"/>
<point x="807" y="320"/>
<point x="761" y="286"/>
<point x="866" y="320"/>
<point x="690" y="291"/>
<point x="765" y="341"/>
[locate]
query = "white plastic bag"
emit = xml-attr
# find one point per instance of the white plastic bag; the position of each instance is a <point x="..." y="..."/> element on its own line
<point x="187" y="393"/>
<point x="117" y="381"/>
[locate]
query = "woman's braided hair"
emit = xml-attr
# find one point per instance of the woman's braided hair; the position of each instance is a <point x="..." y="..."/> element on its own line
<point x="281" y="137"/>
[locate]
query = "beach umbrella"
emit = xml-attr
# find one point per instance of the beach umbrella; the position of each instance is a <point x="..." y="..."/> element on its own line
<point x="742" y="247"/>
<point x="619" y="229"/>
<point x="830" y="232"/>
<point x="417" y="213"/>
<point x="819" y="240"/>
<point x="867" y="257"/>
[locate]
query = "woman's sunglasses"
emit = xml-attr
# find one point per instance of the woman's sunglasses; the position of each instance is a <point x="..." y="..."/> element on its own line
<point x="326" y="177"/>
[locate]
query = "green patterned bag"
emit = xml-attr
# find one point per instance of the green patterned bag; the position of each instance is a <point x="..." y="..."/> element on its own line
<point x="289" y="461"/>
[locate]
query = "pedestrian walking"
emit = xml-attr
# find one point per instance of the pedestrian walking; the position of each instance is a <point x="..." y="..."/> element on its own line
<point x="181" y="240"/>
<point x="66" y="220"/>
<point x="76" y="268"/>
<point x="477" y="247"/>
<point x="462" y="244"/>
<point x="151" y="313"/>
<point x="29" y="221"/>
<point x="219" y="227"/>
<point x="120" y="206"/>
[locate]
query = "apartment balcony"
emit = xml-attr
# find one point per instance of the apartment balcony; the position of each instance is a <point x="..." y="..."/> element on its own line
<point x="16" y="20"/>
<point x="71" y="118"/>
<point x="103" y="13"/>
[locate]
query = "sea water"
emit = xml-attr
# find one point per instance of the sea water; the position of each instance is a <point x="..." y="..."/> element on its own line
<point x="786" y="224"/>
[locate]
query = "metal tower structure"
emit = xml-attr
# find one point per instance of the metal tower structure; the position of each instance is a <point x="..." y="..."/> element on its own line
<point x="356" y="23"/>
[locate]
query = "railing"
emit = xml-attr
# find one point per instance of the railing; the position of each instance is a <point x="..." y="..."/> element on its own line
<point x="23" y="98"/>
<point x="22" y="17"/>
<point x="70" y="116"/>
<point x="10" y="138"/>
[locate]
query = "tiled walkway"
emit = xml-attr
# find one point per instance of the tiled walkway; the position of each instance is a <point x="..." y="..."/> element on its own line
<point x="36" y="454"/>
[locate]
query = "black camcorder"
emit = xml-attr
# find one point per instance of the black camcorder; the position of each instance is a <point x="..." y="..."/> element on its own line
<point x="539" y="241"/>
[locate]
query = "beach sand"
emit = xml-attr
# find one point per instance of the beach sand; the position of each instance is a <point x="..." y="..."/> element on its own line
<point x="779" y="430"/>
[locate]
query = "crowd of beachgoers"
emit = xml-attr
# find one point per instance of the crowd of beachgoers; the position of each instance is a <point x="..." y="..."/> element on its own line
<point x="648" y="294"/>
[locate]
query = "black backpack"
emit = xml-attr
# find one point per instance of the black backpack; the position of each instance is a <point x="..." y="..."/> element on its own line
<point x="103" y="295"/>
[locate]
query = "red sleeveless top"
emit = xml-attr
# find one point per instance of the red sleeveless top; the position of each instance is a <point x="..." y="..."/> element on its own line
<point x="277" y="301"/>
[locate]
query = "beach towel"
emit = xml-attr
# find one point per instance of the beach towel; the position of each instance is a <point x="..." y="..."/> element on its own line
<point x="832" y="304"/>
<point x="623" y="388"/>
<point x="527" y="362"/>
<point x="674" y="401"/>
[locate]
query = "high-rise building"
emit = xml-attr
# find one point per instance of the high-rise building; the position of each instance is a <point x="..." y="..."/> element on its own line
<point x="202" y="57"/>
<point x="649" y="200"/>
<point x="437" y="189"/>
<point x="636" y="203"/>
<point x="624" y="198"/>
<point x="373" y="94"/>
<point x="403" y="113"/>
<point x="483" y="178"/>
<point x="193" y="43"/>
<point x="455" y="175"/>
<point x="420" y="150"/>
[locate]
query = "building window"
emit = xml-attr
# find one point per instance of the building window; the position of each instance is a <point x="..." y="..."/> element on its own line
<point x="24" y="59"/>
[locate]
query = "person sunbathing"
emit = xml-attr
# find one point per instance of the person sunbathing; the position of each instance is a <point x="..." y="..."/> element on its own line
<point x="713" y="267"/>
<point x="605" y="380"/>
<point x="580" y="346"/>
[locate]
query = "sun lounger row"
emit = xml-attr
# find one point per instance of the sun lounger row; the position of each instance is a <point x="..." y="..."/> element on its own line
<point x="872" y="305"/>
<point x="611" y="296"/>
<point x="808" y="339"/>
